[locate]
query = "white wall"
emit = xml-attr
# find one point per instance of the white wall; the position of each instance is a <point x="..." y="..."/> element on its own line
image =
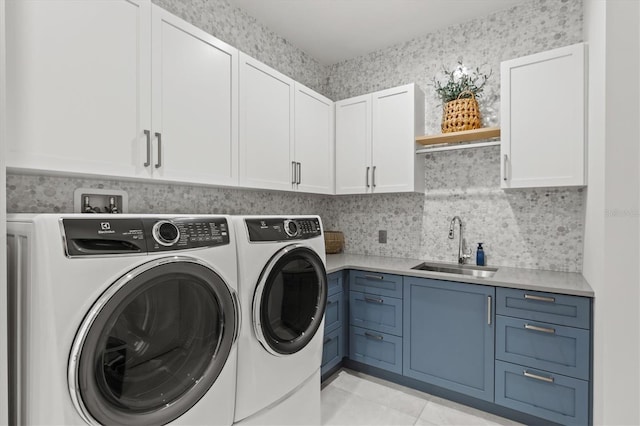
<point x="612" y="223"/>
<point x="3" y="256"/>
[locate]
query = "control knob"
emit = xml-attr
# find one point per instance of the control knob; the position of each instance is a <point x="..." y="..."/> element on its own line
<point x="291" y="228"/>
<point x="165" y="233"/>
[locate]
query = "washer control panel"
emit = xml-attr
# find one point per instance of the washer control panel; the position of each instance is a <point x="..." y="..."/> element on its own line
<point x="121" y="236"/>
<point x="279" y="229"/>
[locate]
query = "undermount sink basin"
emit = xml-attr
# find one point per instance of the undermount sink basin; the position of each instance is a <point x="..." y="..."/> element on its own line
<point x="448" y="268"/>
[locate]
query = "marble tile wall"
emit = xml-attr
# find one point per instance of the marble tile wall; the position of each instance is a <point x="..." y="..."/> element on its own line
<point x="46" y="194"/>
<point x="524" y="228"/>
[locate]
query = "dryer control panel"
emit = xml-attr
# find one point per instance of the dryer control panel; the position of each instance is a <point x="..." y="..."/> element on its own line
<point x="279" y="229"/>
<point x="121" y="236"/>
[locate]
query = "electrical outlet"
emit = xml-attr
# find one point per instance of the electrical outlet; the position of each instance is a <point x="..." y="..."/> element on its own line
<point x="382" y="237"/>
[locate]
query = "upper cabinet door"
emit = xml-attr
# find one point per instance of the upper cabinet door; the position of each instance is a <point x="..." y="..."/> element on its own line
<point x="397" y="115"/>
<point x="266" y="127"/>
<point x="314" y="143"/>
<point x="353" y="145"/>
<point x="78" y="84"/>
<point x="194" y="103"/>
<point x="543" y="119"/>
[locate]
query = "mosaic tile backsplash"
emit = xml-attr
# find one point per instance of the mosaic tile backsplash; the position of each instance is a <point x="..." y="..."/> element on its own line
<point x="534" y="228"/>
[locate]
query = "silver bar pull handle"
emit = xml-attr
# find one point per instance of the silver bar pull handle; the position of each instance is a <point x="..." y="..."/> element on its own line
<point x="373" y="177"/>
<point x="329" y="302"/>
<point x="542" y="329"/>
<point x="373" y="336"/>
<point x="372" y="300"/>
<point x="299" y="173"/>
<point x="525" y="373"/>
<point x="540" y="298"/>
<point x="506" y="158"/>
<point x="327" y="340"/>
<point x="148" y="135"/>
<point x="159" y="163"/>
<point x="489" y="310"/>
<point x="368" y="177"/>
<point x="374" y="277"/>
<point x="293" y="173"/>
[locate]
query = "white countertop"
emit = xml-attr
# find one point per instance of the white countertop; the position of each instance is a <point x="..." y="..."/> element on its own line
<point x="528" y="279"/>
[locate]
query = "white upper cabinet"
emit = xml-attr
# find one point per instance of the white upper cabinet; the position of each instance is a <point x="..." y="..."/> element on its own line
<point x="78" y="85"/>
<point x="543" y="119"/>
<point x="375" y="142"/>
<point x="314" y="146"/>
<point x="81" y="98"/>
<point x="353" y="145"/>
<point x="194" y="106"/>
<point x="266" y="127"/>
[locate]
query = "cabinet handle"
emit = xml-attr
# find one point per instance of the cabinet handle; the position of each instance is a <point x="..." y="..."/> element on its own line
<point x="373" y="177"/>
<point x="525" y="373"/>
<point x="542" y="329"/>
<point x="540" y="298"/>
<point x="368" y="177"/>
<point x="372" y="300"/>
<point x="489" y="310"/>
<point x="374" y="277"/>
<point x="148" y="135"/>
<point x="329" y="302"/>
<point x="159" y="163"/>
<point x="373" y="336"/>
<point x="293" y="173"/>
<point x="299" y="173"/>
<point x="327" y="340"/>
<point x="505" y="167"/>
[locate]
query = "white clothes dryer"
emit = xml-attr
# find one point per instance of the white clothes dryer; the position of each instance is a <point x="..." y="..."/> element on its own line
<point x="283" y="291"/>
<point x="122" y="319"/>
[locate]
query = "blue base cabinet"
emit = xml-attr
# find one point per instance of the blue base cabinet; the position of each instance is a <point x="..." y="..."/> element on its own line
<point x="335" y="324"/>
<point x="449" y="335"/>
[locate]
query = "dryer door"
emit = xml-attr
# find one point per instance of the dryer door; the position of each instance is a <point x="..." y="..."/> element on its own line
<point x="290" y="300"/>
<point x="153" y="344"/>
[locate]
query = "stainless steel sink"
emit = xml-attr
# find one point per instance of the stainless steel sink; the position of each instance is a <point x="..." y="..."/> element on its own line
<point x="450" y="268"/>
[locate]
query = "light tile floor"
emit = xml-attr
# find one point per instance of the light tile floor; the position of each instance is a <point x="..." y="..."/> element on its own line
<point x="352" y="398"/>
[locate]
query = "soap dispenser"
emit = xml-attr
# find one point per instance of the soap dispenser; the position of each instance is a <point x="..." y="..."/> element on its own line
<point x="480" y="255"/>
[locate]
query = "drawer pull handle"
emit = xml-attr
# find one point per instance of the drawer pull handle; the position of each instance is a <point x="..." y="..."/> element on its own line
<point x="489" y="310"/>
<point x="373" y="336"/>
<point x="542" y="329"/>
<point x="535" y="376"/>
<point x="329" y="302"/>
<point x="372" y="300"/>
<point x="374" y="277"/>
<point x="327" y="340"/>
<point x="540" y="298"/>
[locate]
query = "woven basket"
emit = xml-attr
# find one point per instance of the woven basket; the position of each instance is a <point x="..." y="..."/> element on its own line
<point x="461" y="114"/>
<point x="333" y="242"/>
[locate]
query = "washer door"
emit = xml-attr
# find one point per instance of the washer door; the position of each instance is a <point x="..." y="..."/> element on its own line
<point x="153" y="344"/>
<point x="290" y="299"/>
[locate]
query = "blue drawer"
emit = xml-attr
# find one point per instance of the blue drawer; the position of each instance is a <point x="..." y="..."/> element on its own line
<point x="377" y="313"/>
<point x="335" y="282"/>
<point x="376" y="349"/>
<point x="572" y="311"/>
<point x="376" y="283"/>
<point x="333" y="349"/>
<point x="549" y="396"/>
<point x="335" y="312"/>
<point x="550" y="347"/>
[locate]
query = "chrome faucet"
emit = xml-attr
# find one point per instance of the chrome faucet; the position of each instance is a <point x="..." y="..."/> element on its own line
<point x="463" y="253"/>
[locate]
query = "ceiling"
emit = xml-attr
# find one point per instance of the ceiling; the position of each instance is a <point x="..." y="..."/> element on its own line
<point x="334" y="30"/>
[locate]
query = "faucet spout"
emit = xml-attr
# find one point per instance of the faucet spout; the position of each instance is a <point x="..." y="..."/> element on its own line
<point x="463" y="253"/>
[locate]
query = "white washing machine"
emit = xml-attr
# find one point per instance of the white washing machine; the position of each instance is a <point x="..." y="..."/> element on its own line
<point x="122" y="319"/>
<point x="283" y="292"/>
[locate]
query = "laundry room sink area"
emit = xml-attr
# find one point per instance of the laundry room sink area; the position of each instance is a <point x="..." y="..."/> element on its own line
<point x="449" y="268"/>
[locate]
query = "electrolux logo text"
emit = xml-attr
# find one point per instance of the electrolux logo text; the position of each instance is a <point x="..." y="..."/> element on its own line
<point x="105" y="228"/>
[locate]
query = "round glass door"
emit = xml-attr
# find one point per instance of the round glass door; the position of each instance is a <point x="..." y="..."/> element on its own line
<point x="153" y="344"/>
<point x="290" y="300"/>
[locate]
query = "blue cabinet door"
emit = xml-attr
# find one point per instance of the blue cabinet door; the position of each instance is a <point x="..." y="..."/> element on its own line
<point x="334" y="315"/>
<point x="377" y="349"/>
<point x="333" y="350"/>
<point x="449" y="334"/>
<point x="379" y="313"/>
<point x="335" y="283"/>
<point x="376" y="283"/>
